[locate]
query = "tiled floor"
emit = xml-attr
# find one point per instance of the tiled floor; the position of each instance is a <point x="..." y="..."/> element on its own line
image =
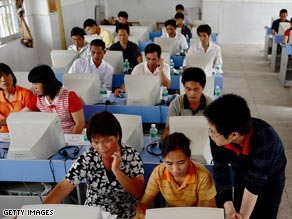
<point x="248" y="74"/>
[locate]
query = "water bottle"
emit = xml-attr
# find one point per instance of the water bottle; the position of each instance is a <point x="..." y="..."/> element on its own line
<point x="188" y="39"/>
<point x="153" y="134"/>
<point x="165" y="94"/>
<point x="183" y="52"/>
<point x="126" y="66"/>
<point x="103" y="92"/>
<point x="171" y="65"/>
<point x="217" y="92"/>
<point x="181" y="70"/>
<point x="218" y="79"/>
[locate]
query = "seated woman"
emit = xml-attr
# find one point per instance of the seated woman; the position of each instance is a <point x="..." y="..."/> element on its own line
<point x="113" y="171"/>
<point x="182" y="182"/>
<point x="12" y="97"/>
<point x="52" y="97"/>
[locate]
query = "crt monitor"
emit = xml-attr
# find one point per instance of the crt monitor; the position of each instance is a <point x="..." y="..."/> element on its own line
<point x="201" y="60"/>
<point x="62" y="60"/>
<point x="115" y="59"/>
<point x="166" y="44"/>
<point x="34" y="135"/>
<point x="60" y="211"/>
<point x="86" y="85"/>
<point x="88" y="38"/>
<point x="132" y="130"/>
<point x="196" y="129"/>
<point x="142" y="90"/>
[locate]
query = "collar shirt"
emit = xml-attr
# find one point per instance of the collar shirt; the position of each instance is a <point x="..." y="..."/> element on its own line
<point x="86" y="65"/>
<point x="181" y="44"/>
<point x="83" y="52"/>
<point x="142" y="69"/>
<point x="107" y="38"/>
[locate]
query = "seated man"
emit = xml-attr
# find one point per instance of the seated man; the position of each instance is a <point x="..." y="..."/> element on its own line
<point x="79" y="44"/>
<point x="193" y="102"/>
<point x="181" y="9"/>
<point x="180" y="22"/>
<point x="182" y="44"/>
<point x="181" y="181"/>
<point x="206" y="46"/>
<point x="154" y="65"/>
<point x="276" y="23"/>
<point x="123" y="18"/>
<point x="287" y="33"/>
<point x="130" y="50"/>
<point x="92" y="28"/>
<point x="95" y="64"/>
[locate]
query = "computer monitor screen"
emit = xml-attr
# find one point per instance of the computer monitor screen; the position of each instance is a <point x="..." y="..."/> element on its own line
<point x="185" y="212"/>
<point x="166" y="44"/>
<point x="86" y="85"/>
<point x="34" y="135"/>
<point x="201" y="60"/>
<point x="61" y="211"/>
<point x="62" y="60"/>
<point x="115" y="59"/>
<point x="142" y="90"/>
<point x="290" y="38"/>
<point x="196" y="129"/>
<point x="132" y="130"/>
<point x="283" y="27"/>
<point x="89" y="38"/>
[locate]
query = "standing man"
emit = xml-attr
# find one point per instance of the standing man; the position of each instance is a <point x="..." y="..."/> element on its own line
<point x="95" y="64"/>
<point x="154" y="65"/>
<point x="283" y="15"/>
<point x="79" y="44"/>
<point x="256" y="154"/>
<point x="92" y="28"/>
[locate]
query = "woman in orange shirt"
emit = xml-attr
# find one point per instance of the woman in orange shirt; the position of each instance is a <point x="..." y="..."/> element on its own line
<point x="12" y="97"/>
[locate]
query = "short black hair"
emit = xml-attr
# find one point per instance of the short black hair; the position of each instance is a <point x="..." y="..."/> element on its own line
<point x="176" y="141"/>
<point x="97" y="42"/>
<point x="89" y="23"/>
<point x="229" y="113"/>
<point x="123" y="14"/>
<point x="5" y="69"/>
<point x="194" y="74"/>
<point x="45" y="75"/>
<point x="179" y="15"/>
<point x="121" y="26"/>
<point x="283" y="11"/>
<point x="204" y="28"/>
<point x="77" y="31"/>
<point x="179" y="7"/>
<point x="152" y="47"/>
<point x="103" y="124"/>
<point x="170" y="22"/>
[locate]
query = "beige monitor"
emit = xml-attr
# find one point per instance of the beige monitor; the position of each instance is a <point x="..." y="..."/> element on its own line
<point x="166" y="44"/>
<point x="116" y="60"/>
<point x="62" y="60"/>
<point x="89" y="38"/>
<point x="200" y="60"/>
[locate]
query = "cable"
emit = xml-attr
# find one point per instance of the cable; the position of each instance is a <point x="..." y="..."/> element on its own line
<point x="52" y="171"/>
<point x="150" y="147"/>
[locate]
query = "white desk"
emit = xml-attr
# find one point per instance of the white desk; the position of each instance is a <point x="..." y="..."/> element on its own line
<point x="285" y="75"/>
<point x="268" y="42"/>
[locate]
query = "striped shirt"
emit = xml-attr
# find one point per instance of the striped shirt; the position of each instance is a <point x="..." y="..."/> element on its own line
<point x="198" y="185"/>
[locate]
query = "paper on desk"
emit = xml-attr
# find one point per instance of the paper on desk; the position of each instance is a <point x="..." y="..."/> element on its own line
<point x="4" y="137"/>
<point x="75" y="139"/>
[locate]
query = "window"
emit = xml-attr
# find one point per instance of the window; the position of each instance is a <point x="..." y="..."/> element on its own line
<point x="9" y="23"/>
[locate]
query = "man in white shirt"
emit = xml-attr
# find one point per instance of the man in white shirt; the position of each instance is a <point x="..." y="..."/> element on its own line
<point x="95" y="64"/>
<point x="206" y="46"/>
<point x="154" y="65"/>
<point x="181" y="44"/>
<point x="79" y="44"/>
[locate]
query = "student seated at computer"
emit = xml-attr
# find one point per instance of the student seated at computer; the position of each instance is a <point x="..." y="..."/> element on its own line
<point x="180" y="22"/>
<point x="181" y="9"/>
<point x="193" y="102"/>
<point x="52" y="97"/>
<point x="130" y="50"/>
<point x="113" y="171"/>
<point x="287" y="33"/>
<point x="91" y="27"/>
<point x="95" y="64"/>
<point x="154" y="65"/>
<point x="79" y="44"/>
<point x="12" y="97"/>
<point x="276" y="23"/>
<point x="181" y="181"/>
<point x="206" y="46"/>
<point x="123" y="18"/>
<point x="181" y="42"/>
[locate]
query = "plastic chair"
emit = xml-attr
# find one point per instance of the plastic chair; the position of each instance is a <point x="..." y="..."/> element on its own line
<point x="152" y="35"/>
<point x="143" y="44"/>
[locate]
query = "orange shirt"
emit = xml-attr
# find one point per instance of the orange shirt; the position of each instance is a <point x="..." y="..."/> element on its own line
<point x="21" y="98"/>
<point x="198" y="185"/>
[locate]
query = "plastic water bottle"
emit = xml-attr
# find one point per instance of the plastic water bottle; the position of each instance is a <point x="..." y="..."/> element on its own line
<point x="103" y="92"/>
<point x="183" y="52"/>
<point x="181" y="70"/>
<point x="165" y="94"/>
<point x="217" y="92"/>
<point x="153" y="134"/>
<point x="218" y="79"/>
<point x="188" y="39"/>
<point x="126" y="66"/>
<point x="171" y="65"/>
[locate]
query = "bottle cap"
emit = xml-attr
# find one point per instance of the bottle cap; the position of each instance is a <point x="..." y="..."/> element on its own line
<point x="153" y="126"/>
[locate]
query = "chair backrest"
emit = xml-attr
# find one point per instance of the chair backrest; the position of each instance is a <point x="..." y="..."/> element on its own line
<point x="166" y="44"/>
<point x="154" y="34"/>
<point x="63" y="59"/>
<point x="143" y="44"/>
<point x="115" y="59"/>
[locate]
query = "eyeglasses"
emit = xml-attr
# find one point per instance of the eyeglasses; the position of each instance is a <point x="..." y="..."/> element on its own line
<point x="211" y="134"/>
